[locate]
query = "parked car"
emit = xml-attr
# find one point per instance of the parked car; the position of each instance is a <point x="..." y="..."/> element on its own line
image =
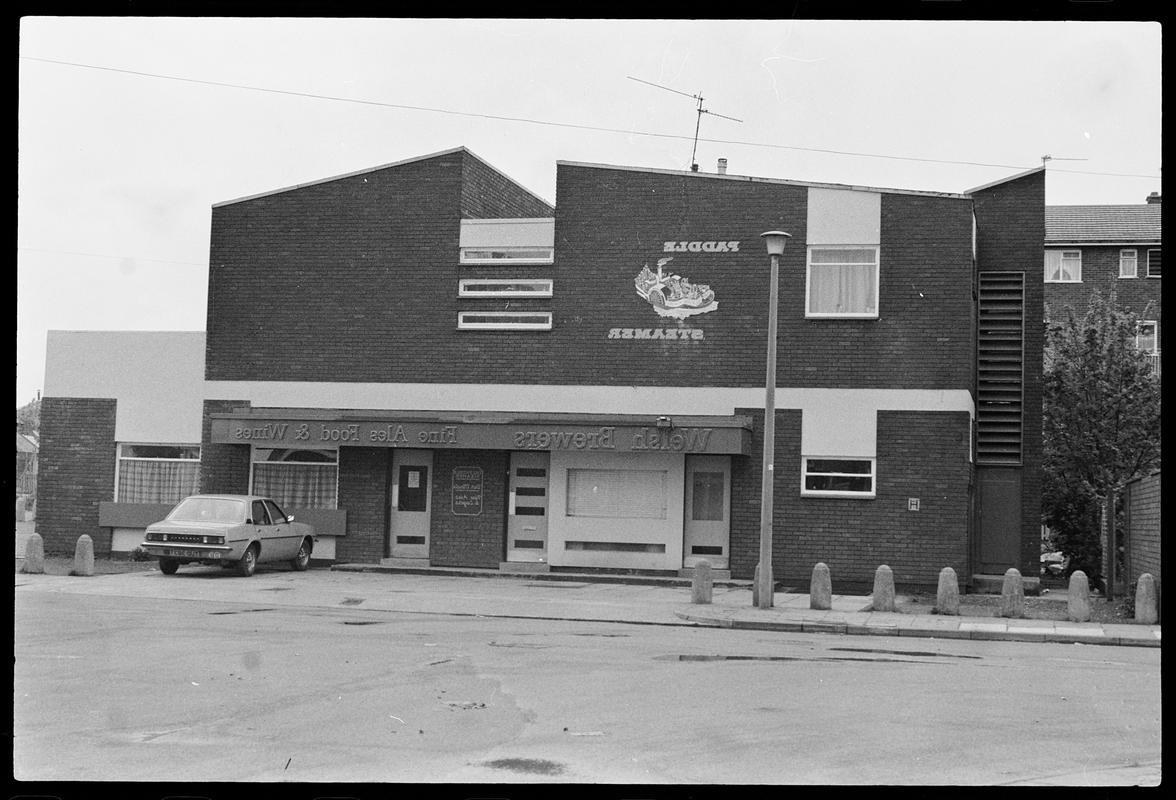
<point x="234" y="531"/>
<point x="1053" y="564"/>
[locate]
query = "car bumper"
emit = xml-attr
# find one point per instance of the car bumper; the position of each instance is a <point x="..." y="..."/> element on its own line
<point x="191" y="552"/>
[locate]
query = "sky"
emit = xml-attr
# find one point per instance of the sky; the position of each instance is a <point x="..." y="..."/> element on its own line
<point x="130" y="129"/>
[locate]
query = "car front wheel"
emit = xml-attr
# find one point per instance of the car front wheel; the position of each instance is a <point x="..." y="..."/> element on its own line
<point x="168" y="566"/>
<point x="302" y="560"/>
<point x="248" y="563"/>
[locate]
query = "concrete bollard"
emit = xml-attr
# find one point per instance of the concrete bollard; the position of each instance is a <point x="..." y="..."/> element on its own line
<point x="702" y="588"/>
<point x="883" y="589"/>
<point x="83" y="556"/>
<point x="34" y="557"/>
<point x="821" y="588"/>
<point x="1012" y="594"/>
<point x="947" y="593"/>
<point x="1147" y="611"/>
<point x="1078" y="605"/>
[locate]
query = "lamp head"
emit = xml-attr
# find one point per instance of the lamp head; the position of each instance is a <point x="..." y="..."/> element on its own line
<point x="775" y="241"/>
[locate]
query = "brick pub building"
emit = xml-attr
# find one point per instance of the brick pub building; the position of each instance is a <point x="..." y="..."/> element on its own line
<point x="435" y="366"/>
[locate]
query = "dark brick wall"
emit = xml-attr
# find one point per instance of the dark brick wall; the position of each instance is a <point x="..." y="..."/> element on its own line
<point x="1143" y="529"/>
<point x="611" y="222"/>
<point x="224" y="468"/>
<point x="1010" y="223"/>
<point x="75" y="471"/>
<point x="920" y="454"/>
<point x="355" y="279"/>
<point x="488" y="194"/>
<point x="469" y="541"/>
<point x="1100" y="271"/>
<point x="363" y="492"/>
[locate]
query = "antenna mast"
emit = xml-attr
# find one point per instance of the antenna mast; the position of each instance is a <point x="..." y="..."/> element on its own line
<point x="1048" y="157"/>
<point x="698" y="121"/>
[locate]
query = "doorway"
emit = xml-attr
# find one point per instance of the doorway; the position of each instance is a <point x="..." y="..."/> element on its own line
<point x="410" y="503"/>
<point x="707" y="518"/>
<point x="526" y="527"/>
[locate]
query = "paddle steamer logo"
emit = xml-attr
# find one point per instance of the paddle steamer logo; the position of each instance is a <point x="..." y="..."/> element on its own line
<point x="672" y="295"/>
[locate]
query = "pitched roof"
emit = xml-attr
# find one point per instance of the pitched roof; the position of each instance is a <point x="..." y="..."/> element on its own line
<point x="24" y="444"/>
<point x="1133" y="224"/>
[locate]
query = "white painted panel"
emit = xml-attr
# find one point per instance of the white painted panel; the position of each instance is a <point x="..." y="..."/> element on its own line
<point x="324" y="547"/>
<point x="841" y="426"/>
<point x="840" y="216"/>
<point x="125" y="540"/>
<point x="668" y="531"/>
<point x="156" y="377"/>
<point x="507" y="233"/>
<point x="548" y="399"/>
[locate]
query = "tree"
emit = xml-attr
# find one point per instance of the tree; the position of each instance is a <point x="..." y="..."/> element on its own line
<point x="28" y="418"/>
<point x="1101" y="424"/>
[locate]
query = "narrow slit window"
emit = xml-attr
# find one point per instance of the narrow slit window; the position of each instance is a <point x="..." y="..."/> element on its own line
<point x="504" y="320"/>
<point x="501" y="287"/>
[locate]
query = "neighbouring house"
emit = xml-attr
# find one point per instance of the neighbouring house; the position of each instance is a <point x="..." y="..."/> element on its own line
<point x="26" y="472"/>
<point x="435" y="366"/>
<point x="1108" y="248"/>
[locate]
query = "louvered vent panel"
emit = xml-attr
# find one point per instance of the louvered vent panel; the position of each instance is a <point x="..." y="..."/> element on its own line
<point x="1000" y="367"/>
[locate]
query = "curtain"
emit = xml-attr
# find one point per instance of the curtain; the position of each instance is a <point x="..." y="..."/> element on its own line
<point x="842" y="288"/>
<point x="157" y="481"/>
<point x="297" y="485"/>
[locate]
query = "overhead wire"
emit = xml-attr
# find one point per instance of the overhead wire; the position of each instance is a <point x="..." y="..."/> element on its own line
<point x="551" y="123"/>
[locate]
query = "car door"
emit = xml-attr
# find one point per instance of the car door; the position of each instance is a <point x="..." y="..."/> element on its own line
<point x="284" y="536"/>
<point x="262" y="528"/>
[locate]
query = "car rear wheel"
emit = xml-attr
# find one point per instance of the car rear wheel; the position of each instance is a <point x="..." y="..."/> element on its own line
<point x="302" y="560"/>
<point x="248" y="563"/>
<point x="168" y="566"/>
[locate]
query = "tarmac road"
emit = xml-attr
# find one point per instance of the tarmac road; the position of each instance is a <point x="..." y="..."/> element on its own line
<point x="339" y="678"/>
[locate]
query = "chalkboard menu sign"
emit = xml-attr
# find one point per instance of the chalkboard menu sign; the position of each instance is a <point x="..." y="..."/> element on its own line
<point x="467" y="491"/>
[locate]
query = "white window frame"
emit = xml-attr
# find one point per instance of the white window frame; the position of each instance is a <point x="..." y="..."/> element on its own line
<point x="253" y="451"/>
<point x="1065" y="255"/>
<point x="512" y="255"/>
<point x="464" y="290"/>
<point x="1129" y="258"/>
<point x="119" y="457"/>
<point x="873" y="476"/>
<point x="1155" y="336"/>
<point x="808" y="273"/>
<point x="509" y="321"/>
<point x="1149" y="259"/>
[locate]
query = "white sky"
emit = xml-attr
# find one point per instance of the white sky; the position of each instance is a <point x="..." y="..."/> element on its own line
<point x="118" y="171"/>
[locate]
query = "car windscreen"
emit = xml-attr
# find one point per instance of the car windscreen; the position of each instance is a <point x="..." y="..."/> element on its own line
<point x="208" y="509"/>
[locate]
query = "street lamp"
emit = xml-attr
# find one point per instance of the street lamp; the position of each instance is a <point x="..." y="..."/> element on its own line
<point x="764" y="589"/>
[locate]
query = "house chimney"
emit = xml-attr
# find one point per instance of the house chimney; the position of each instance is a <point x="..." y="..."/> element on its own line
<point x="1154" y="197"/>
<point x="723" y="166"/>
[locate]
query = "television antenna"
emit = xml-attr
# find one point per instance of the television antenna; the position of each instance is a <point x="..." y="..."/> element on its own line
<point x="698" y="121"/>
<point x="1048" y="157"/>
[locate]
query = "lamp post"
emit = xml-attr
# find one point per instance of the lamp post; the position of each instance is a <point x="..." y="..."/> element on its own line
<point x="764" y="589"/>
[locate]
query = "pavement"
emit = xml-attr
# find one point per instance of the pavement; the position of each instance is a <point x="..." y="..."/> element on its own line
<point x="640" y="599"/>
<point x="731" y="607"/>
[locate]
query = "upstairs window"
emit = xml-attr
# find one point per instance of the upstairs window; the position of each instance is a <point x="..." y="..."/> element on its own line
<point x="507" y="255"/>
<point x="157" y="473"/>
<point x="503" y="287"/>
<point x="504" y="320"/>
<point x="842" y="282"/>
<point x="1128" y="263"/>
<point x="1153" y="263"/>
<point x="1063" y="266"/>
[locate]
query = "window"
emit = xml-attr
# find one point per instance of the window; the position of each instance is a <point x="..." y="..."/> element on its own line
<point x="1146" y="337"/>
<point x="617" y="493"/>
<point x="156" y="473"/>
<point x="1128" y="263"/>
<point x="842" y="282"/>
<point x="504" y="320"/>
<point x="838" y="477"/>
<point x="708" y="495"/>
<point x="1063" y="266"/>
<point x="1153" y="263"/>
<point x="476" y="287"/>
<point x="507" y="255"/>
<point x="297" y="478"/>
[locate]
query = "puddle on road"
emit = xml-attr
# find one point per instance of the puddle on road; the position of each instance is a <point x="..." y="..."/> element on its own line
<point x="555" y="585"/>
<point x="526" y="645"/>
<point x="363" y="622"/>
<point x="278" y="589"/>
<point x="531" y="766"/>
<point x="605" y="635"/>
<point x="702" y="657"/>
<point x="903" y="652"/>
<point x="241" y="611"/>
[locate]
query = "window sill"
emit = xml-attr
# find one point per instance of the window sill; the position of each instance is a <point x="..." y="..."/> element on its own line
<point x="809" y="315"/>
<point x="1077" y="281"/>
<point x="840" y="495"/>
